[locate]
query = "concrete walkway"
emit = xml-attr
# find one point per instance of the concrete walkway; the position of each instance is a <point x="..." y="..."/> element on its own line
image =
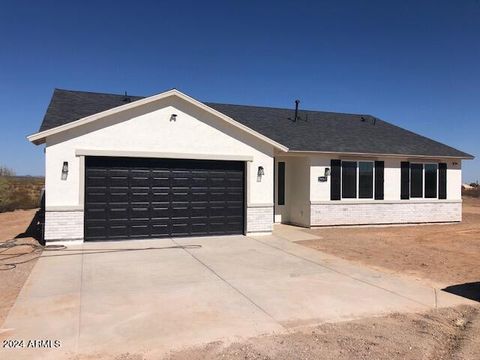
<point x="127" y="298"/>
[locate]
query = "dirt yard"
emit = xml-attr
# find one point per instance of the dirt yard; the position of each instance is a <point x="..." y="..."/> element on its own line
<point x="439" y="334"/>
<point x="13" y="224"/>
<point x="445" y="254"/>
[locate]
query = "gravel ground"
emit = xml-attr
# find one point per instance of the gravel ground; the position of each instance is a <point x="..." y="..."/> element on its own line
<point x="13" y="224"/>
<point x="451" y="333"/>
<point x="444" y="254"/>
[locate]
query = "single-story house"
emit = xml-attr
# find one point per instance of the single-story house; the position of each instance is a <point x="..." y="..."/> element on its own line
<point x="128" y="167"/>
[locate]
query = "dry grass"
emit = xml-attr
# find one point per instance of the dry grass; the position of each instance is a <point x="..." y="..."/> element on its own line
<point x="18" y="192"/>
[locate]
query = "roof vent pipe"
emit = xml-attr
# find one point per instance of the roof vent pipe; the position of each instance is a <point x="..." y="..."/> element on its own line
<point x="296" y="110"/>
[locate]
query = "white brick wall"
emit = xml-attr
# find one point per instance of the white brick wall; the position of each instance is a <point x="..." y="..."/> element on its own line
<point x="63" y="225"/>
<point x="259" y="219"/>
<point x="338" y="213"/>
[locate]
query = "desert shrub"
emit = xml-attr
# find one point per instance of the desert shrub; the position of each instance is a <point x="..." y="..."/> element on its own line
<point x="475" y="192"/>
<point x="19" y="193"/>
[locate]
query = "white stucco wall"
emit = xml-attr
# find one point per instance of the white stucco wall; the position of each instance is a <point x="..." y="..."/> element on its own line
<point x="149" y="129"/>
<point x="297" y="191"/>
<point x="306" y="195"/>
<point x="454" y="179"/>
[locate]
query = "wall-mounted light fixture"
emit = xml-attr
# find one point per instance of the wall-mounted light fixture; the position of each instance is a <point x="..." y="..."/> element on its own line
<point x="454" y="163"/>
<point x="327" y="171"/>
<point x="65" y="170"/>
<point x="173" y="117"/>
<point x="260" y="173"/>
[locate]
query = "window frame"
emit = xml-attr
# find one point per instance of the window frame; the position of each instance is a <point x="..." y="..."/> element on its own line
<point x="423" y="180"/>
<point x="357" y="197"/>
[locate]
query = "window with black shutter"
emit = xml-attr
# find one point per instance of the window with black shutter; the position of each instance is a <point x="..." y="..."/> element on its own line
<point x="431" y="180"/>
<point x="335" y="179"/>
<point x="349" y="179"/>
<point x="404" y="180"/>
<point x="442" y="181"/>
<point x="365" y="179"/>
<point x="379" y="179"/>
<point x="416" y="180"/>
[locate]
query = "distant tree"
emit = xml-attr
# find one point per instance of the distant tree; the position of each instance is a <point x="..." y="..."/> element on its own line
<point x="4" y="171"/>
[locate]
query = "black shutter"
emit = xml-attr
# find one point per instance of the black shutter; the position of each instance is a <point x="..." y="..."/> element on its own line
<point x="442" y="181"/>
<point x="281" y="183"/>
<point x="335" y="179"/>
<point x="379" y="167"/>
<point x="405" y="180"/>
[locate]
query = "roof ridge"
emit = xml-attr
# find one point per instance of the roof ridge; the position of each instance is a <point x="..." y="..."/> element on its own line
<point x="96" y="93"/>
<point x="217" y="103"/>
<point x="290" y="109"/>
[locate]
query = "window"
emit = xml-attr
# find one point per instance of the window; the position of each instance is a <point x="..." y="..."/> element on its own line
<point x="365" y="180"/>
<point x="431" y="180"/>
<point x="349" y="179"/>
<point x="281" y="184"/>
<point x="416" y="180"/>
<point x="424" y="181"/>
<point x="357" y="178"/>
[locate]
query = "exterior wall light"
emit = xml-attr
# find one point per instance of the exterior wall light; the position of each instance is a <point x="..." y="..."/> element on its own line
<point x="327" y="171"/>
<point x="65" y="170"/>
<point x="260" y="173"/>
<point x="173" y="117"/>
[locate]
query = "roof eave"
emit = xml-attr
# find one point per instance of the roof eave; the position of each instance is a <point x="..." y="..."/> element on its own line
<point x="463" y="157"/>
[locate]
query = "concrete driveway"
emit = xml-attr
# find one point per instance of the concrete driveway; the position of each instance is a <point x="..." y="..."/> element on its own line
<point x="127" y="298"/>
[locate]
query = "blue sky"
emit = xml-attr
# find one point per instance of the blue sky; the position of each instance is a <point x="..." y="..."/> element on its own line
<point x="413" y="63"/>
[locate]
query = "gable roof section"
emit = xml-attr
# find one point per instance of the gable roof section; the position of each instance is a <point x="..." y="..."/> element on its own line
<point x="317" y="131"/>
<point x="69" y="109"/>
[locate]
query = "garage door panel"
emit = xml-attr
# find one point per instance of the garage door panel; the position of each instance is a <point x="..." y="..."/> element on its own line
<point x="144" y="198"/>
<point x="160" y="212"/>
<point x="199" y="209"/>
<point x="117" y="196"/>
<point x="160" y="230"/>
<point x="118" y="214"/>
<point x="140" y="197"/>
<point x="199" y="196"/>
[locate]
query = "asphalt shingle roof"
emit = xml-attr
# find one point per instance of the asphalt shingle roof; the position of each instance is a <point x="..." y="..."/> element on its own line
<point x="316" y="131"/>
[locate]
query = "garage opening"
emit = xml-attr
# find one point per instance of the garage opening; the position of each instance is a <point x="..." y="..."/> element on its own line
<point x="140" y="198"/>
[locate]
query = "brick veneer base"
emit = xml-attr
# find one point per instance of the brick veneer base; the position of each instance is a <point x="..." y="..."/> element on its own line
<point x="336" y="213"/>
<point x="68" y="225"/>
<point x="259" y="219"/>
<point x="63" y="225"/>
